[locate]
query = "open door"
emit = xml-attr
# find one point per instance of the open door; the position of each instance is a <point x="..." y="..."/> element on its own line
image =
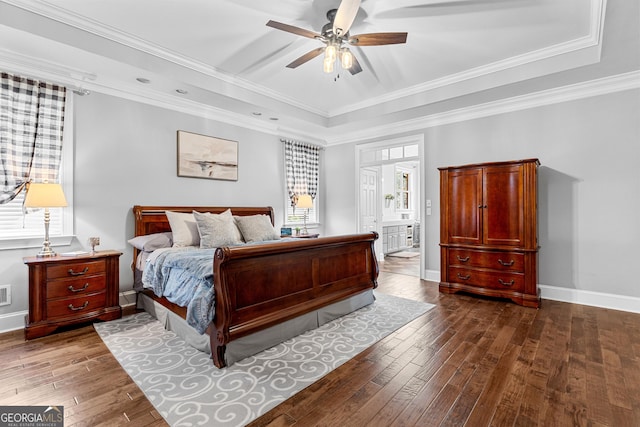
<point x="368" y="200"/>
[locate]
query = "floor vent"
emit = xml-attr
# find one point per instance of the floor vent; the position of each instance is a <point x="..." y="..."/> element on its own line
<point x="5" y="295"/>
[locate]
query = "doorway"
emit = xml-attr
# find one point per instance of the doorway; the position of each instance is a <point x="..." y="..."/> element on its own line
<point x="389" y="184"/>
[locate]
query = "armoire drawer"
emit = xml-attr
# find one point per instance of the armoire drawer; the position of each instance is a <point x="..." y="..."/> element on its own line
<point x="487" y="279"/>
<point x="508" y="261"/>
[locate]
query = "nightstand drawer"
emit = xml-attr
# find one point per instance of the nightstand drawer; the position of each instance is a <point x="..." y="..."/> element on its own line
<point x="75" y="269"/>
<point x="75" y="306"/>
<point x="74" y="287"/>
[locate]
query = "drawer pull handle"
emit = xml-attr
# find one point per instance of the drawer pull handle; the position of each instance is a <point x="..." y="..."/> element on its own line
<point x="84" y="288"/>
<point x="465" y="259"/>
<point x="82" y="307"/>
<point x="506" y="264"/>
<point x="77" y="273"/>
<point x="503" y="283"/>
<point x="467" y="277"/>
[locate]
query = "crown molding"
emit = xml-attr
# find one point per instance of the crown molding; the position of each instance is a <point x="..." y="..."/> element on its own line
<point x="592" y="40"/>
<point x="602" y="86"/>
<point x="50" y="10"/>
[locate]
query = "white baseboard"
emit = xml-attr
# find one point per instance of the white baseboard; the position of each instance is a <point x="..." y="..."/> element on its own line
<point x="431" y="275"/>
<point x="595" y="299"/>
<point x="128" y="298"/>
<point x="574" y="296"/>
<point x="12" y="321"/>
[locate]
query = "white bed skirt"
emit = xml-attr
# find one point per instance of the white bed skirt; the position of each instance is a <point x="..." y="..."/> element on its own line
<point x="261" y="340"/>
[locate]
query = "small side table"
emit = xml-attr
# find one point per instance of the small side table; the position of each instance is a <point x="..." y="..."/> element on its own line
<point x="66" y="290"/>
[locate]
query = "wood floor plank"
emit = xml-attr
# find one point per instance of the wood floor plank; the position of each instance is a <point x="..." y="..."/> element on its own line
<point x="470" y="361"/>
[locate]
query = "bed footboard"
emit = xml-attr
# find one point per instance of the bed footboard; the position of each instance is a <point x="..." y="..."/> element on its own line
<point x="260" y="286"/>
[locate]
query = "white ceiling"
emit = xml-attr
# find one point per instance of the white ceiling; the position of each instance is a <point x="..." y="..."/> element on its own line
<point x="230" y="62"/>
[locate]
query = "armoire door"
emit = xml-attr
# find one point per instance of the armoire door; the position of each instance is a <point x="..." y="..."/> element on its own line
<point x="465" y="200"/>
<point x="502" y="206"/>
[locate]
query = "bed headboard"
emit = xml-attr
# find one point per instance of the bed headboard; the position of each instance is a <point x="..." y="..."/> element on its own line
<point x="152" y="219"/>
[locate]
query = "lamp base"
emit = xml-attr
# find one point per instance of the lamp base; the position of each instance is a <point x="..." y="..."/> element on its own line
<point x="46" y="250"/>
<point x="45" y="253"/>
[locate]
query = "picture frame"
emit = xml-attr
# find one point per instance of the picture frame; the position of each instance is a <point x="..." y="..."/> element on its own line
<point x="201" y="156"/>
<point x="285" y="231"/>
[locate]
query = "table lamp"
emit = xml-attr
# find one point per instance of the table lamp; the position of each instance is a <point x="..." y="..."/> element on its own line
<point x="45" y="195"/>
<point x="305" y="202"/>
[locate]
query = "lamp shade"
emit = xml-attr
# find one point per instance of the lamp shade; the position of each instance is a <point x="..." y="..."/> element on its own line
<point x="45" y="195"/>
<point x="304" y="201"/>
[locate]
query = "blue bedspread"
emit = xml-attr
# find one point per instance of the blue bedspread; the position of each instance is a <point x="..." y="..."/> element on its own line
<point x="185" y="277"/>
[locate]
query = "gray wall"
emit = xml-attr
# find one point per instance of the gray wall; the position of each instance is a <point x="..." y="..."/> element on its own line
<point x="589" y="184"/>
<point x="125" y="154"/>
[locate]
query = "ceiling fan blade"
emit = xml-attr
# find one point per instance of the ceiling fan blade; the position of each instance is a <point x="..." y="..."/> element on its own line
<point x="306" y="57"/>
<point x="377" y="39"/>
<point x="294" y="30"/>
<point x="345" y="15"/>
<point x="355" y="67"/>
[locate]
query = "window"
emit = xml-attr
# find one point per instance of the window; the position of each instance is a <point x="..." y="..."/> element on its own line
<point x="33" y="111"/>
<point x="302" y="163"/>
<point x="403" y="190"/>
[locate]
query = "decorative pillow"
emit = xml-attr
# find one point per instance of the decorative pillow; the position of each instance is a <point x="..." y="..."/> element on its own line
<point x="151" y="242"/>
<point x="184" y="229"/>
<point x="256" y="228"/>
<point x="217" y="230"/>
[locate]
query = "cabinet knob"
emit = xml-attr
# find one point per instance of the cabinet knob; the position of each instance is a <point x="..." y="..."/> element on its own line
<point x="503" y="283"/>
<point x="465" y="259"/>
<point x="467" y="277"/>
<point x="506" y="264"/>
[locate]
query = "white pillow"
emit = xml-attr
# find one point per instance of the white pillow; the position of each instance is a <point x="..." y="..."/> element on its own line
<point x="217" y="230"/>
<point x="183" y="228"/>
<point x="151" y="242"/>
<point x="256" y="228"/>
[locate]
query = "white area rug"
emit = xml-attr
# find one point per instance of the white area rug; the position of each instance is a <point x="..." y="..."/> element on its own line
<point x="188" y="390"/>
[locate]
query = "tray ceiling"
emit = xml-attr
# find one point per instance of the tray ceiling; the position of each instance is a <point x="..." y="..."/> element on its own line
<point x="225" y="57"/>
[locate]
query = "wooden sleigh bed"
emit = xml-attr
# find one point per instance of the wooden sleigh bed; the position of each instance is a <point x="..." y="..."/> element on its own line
<point x="259" y="287"/>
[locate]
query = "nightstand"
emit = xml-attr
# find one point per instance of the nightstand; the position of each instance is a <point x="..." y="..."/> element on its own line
<point x="65" y="290"/>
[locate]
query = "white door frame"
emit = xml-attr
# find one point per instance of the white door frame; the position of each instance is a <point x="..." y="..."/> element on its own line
<point x="405" y="140"/>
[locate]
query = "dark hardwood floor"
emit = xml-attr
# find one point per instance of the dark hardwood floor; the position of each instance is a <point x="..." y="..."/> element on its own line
<point x="467" y="362"/>
<point x="408" y="266"/>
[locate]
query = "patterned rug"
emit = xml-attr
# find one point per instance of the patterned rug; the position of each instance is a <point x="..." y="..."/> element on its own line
<point x="188" y="390"/>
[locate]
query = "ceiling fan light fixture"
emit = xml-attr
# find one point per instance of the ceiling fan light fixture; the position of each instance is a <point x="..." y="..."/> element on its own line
<point x="346" y="59"/>
<point x="330" y="52"/>
<point x="328" y="65"/>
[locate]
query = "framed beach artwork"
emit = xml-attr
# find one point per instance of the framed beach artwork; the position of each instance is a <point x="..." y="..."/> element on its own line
<point x="201" y="156"/>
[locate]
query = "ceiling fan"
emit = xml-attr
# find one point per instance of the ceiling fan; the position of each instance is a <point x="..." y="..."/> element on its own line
<point x="335" y="35"/>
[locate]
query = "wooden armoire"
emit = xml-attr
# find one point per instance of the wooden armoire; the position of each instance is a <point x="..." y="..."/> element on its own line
<point x="488" y="230"/>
